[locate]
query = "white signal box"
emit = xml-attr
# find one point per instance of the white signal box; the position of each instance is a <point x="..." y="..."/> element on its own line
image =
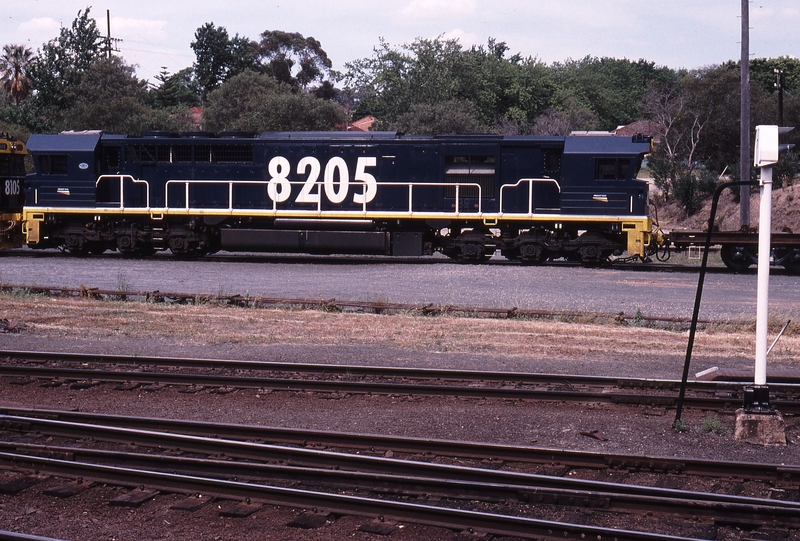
<point x="768" y="146"/>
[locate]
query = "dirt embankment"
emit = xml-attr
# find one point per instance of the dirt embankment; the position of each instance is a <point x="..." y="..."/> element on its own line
<point x="785" y="212"/>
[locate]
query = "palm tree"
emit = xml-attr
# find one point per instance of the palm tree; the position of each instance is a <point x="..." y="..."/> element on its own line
<point x="14" y="71"/>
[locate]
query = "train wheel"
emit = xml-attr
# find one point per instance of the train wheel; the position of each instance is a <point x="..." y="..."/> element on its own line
<point x="531" y="253"/>
<point x="472" y="247"/>
<point x="76" y="245"/>
<point x="179" y="246"/>
<point x="789" y="258"/>
<point x="737" y="258"/>
<point x="593" y="255"/>
<point x="125" y="244"/>
<point x="470" y="252"/>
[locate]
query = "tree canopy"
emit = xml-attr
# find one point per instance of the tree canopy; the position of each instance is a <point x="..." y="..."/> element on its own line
<point x="255" y="102"/>
<point x="285" y="81"/>
<point x="14" y="66"/>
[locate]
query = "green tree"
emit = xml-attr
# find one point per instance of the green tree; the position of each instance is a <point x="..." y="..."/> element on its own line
<point x="611" y="88"/>
<point x="509" y="89"/>
<point x="219" y="57"/>
<point x="717" y="89"/>
<point x="62" y="61"/>
<point x="256" y="102"/>
<point x="762" y="73"/>
<point x="294" y="59"/>
<point x="502" y="90"/>
<point x="448" y="117"/>
<point x="108" y="97"/>
<point x="14" y="65"/>
<point x="177" y="90"/>
<point x="392" y="81"/>
<point x="568" y="117"/>
<point x="684" y="115"/>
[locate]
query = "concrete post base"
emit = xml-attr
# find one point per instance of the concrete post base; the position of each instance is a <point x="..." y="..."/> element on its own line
<point x="760" y="428"/>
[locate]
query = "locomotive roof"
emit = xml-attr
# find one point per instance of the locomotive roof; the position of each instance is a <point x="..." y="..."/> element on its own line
<point x="574" y="144"/>
<point x="584" y="144"/>
<point x="65" y="142"/>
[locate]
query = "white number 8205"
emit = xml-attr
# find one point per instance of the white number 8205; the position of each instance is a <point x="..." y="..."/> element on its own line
<point x="336" y="180"/>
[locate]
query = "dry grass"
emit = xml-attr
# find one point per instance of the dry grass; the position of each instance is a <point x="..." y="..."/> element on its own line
<point x="210" y="324"/>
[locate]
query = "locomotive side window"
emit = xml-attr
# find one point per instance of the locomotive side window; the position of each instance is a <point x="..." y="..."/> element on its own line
<point x="181" y="153"/>
<point x="203" y="154"/>
<point x="187" y="153"/>
<point x="53" y="164"/>
<point x="470" y="170"/>
<point x="612" y="168"/>
<point x="232" y="153"/>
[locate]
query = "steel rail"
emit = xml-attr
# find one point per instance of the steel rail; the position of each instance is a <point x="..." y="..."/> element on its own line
<point x="783" y="476"/>
<point x="313" y="458"/>
<point x="362" y="370"/>
<point x="496" y="487"/>
<point x="727" y="401"/>
<point x="338" y="503"/>
<point x="387" y="388"/>
<point x="14" y="536"/>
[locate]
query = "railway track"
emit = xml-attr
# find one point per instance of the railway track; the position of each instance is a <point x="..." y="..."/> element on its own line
<point x="493" y="455"/>
<point x="625" y="264"/>
<point x="129" y="372"/>
<point x="401" y="479"/>
<point x="229" y="257"/>
<point x="344" y="475"/>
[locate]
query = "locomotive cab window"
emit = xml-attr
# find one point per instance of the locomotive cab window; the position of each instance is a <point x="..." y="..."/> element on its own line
<point x="612" y="168"/>
<point x="53" y="164"/>
<point x="469" y="170"/>
<point x="12" y="165"/>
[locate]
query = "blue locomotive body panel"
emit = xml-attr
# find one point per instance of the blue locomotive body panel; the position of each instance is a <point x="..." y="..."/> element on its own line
<point x="332" y="192"/>
<point x="592" y="175"/>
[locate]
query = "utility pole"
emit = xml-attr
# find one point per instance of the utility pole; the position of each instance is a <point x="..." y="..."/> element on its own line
<point x="108" y="26"/>
<point x="110" y="42"/>
<point x="744" y="129"/>
<point x="780" y="81"/>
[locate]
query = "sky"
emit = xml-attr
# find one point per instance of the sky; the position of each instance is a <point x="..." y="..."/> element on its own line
<point x="156" y="34"/>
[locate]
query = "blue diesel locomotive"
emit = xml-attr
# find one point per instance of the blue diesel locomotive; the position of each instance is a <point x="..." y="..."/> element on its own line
<point x="533" y="198"/>
<point x="12" y="190"/>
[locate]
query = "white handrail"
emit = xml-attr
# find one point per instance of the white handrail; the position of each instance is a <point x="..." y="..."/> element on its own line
<point x="186" y="183"/>
<point x="530" y="182"/>
<point x="410" y="185"/>
<point x="122" y="179"/>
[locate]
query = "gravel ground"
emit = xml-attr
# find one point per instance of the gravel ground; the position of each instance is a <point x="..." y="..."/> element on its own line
<point x="428" y="280"/>
<point x="398" y="340"/>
